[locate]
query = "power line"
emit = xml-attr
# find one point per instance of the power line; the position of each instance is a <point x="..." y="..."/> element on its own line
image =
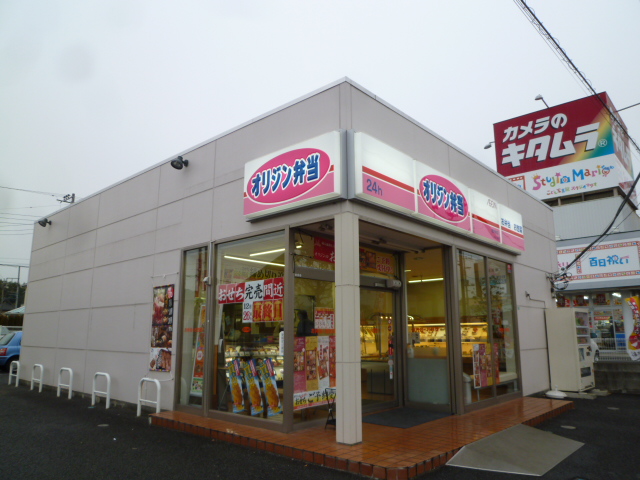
<point x="34" y="191"/>
<point x="559" y="51"/>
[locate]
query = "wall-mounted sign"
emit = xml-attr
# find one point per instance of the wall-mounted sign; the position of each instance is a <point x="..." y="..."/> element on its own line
<point x="607" y="260"/>
<point x="565" y="149"/>
<point x="512" y="228"/>
<point x="387" y="177"/>
<point x="485" y="216"/>
<point x="383" y="175"/>
<point x="162" y="329"/>
<point x="441" y="198"/>
<point x="306" y="173"/>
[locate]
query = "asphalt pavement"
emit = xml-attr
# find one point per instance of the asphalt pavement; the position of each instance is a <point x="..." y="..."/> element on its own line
<point x="46" y="437"/>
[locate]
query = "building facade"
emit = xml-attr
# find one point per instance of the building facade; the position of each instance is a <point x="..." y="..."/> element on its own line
<point x="332" y="249"/>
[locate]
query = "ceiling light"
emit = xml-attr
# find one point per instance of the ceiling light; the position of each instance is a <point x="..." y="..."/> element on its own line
<point x="253" y="261"/>
<point x="426" y="280"/>
<point x="179" y="162"/>
<point x="268" y="251"/>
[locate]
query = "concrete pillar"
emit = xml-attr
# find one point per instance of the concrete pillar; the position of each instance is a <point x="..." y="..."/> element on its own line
<point x="349" y="395"/>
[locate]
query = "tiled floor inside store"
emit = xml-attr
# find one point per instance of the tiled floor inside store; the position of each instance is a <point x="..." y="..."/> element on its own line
<point x="385" y="452"/>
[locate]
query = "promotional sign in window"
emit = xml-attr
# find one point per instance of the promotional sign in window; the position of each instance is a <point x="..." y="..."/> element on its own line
<point x="306" y="173"/>
<point x="197" y="377"/>
<point x="607" y="260"/>
<point x="162" y="329"/>
<point x="565" y="150"/>
<point x="313" y="370"/>
<point x="633" y="340"/>
<point x="262" y="300"/>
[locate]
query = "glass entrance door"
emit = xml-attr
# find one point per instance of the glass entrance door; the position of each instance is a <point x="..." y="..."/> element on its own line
<point x="377" y="333"/>
<point x="428" y="346"/>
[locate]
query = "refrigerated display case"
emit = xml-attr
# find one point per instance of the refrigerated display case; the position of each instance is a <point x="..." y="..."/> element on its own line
<point x="570" y="353"/>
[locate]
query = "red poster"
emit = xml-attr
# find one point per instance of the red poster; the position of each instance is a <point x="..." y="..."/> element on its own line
<point x="324" y="250"/>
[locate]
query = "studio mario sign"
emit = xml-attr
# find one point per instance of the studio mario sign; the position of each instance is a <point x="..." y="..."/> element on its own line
<point x="309" y="172"/>
<point x="387" y="177"/>
<point x="564" y="150"/>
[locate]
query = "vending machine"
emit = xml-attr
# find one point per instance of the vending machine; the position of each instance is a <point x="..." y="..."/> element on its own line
<point x="570" y="353"/>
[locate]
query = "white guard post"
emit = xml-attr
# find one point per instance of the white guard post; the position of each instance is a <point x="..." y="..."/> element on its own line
<point x="140" y="399"/>
<point x="17" y="374"/>
<point x="107" y="393"/>
<point x="33" y="376"/>
<point x="70" y="385"/>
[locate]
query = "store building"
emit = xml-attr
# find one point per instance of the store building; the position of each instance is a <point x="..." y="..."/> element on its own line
<point x="333" y="247"/>
<point x="576" y="158"/>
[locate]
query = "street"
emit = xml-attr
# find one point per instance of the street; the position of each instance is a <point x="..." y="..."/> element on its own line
<point x="46" y="437"/>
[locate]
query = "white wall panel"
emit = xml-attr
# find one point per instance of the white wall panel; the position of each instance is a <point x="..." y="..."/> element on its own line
<point x="194" y="179"/>
<point x="121" y="329"/>
<point x="129" y="227"/>
<point x="194" y="228"/>
<point x="531" y="327"/>
<point x="76" y="290"/>
<point x="80" y="252"/>
<point x="129" y="249"/>
<point x="125" y="283"/>
<point x="535" y="371"/>
<point x="83" y="217"/>
<point x="44" y="295"/>
<point x="133" y="197"/>
<point x="47" y="262"/>
<point x="73" y="327"/>
<point x="40" y="330"/>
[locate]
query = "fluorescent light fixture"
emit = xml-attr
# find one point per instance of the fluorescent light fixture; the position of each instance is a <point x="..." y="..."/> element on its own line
<point x="253" y="261"/>
<point x="407" y="270"/>
<point x="426" y="280"/>
<point x="586" y="297"/>
<point x="265" y="253"/>
<point x="616" y="294"/>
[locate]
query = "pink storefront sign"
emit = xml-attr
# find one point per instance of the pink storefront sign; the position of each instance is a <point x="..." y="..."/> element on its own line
<point x="293" y="177"/>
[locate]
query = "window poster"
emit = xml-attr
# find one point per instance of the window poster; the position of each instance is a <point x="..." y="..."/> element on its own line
<point x="252" y="382"/>
<point x="324" y="319"/>
<point x="268" y="378"/>
<point x="162" y="329"/>
<point x="481" y="366"/>
<point x="235" y="385"/>
<point x="197" y="379"/>
<point x="262" y="300"/>
<point x="633" y="340"/>
<point x="314" y="370"/>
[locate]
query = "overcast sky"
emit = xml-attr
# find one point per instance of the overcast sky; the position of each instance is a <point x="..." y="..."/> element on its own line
<point x="94" y="91"/>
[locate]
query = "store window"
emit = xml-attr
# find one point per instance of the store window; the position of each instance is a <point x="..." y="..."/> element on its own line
<point x="503" y="325"/>
<point x="194" y="304"/>
<point x="314" y="363"/>
<point x="250" y="326"/>
<point x="487" y="327"/>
